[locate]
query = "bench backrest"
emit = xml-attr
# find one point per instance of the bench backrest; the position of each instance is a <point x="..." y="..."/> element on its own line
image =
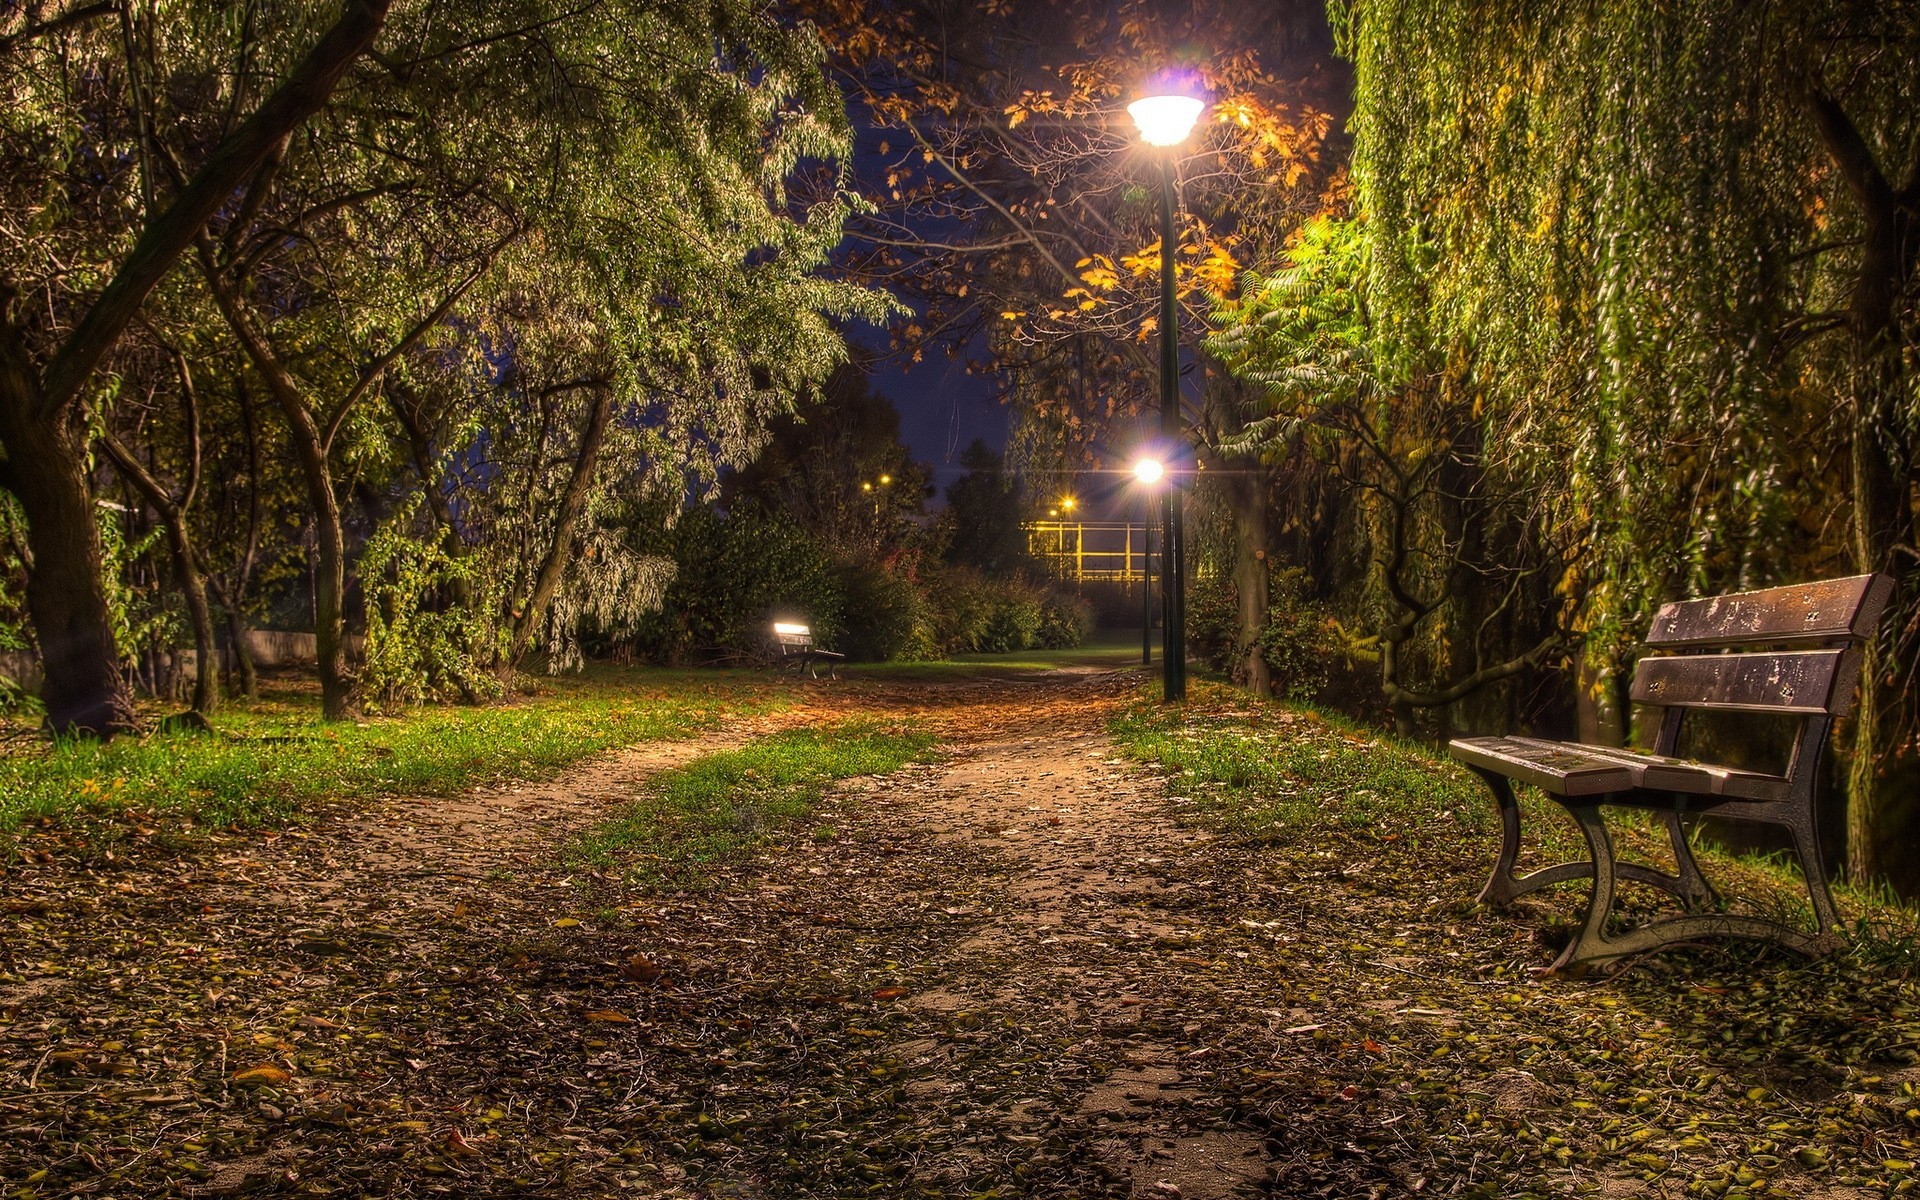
<point x="792" y="637"/>
<point x="1833" y="615"/>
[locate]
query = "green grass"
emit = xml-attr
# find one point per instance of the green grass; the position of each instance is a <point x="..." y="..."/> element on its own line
<point x="272" y="760"/>
<point x="1273" y="772"/>
<point x="721" y="806"/>
<point x="1107" y="651"/>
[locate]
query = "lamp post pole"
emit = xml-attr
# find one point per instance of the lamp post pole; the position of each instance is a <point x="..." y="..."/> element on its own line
<point x="1146" y="582"/>
<point x="1164" y="120"/>
<point x="1173" y="535"/>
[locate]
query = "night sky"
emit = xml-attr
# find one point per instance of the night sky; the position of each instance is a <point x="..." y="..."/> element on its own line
<point x="942" y="408"/>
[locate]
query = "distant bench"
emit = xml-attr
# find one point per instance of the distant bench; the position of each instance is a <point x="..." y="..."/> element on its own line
<point x="1814" y="631"/>
<point x="793" y="644"/>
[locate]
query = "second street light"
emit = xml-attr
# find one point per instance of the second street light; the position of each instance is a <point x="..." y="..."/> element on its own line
<point x="1164" y="122"/>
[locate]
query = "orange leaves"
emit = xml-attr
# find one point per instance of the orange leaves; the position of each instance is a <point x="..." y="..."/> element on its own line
<point x="264" y="1075"/>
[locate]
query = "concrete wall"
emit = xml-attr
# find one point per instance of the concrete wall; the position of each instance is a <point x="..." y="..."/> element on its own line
<point x="271" y="648"/>
<point x="23" y="669"/>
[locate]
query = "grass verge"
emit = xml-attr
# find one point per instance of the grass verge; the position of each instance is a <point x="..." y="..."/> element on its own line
<point x="725" y="804"/>
<point x="272" y="760"/>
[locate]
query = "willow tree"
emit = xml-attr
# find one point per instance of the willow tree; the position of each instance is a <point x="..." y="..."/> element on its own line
<point x="1447" y="536"/>
<point x="1677" y="243"/>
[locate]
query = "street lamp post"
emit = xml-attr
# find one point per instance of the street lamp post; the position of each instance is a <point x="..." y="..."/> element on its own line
<point x="1165" y="121"/>
<point x="1148" y="472"/>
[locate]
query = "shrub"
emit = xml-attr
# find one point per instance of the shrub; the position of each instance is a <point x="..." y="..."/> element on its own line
<point x="420" y="647"/>
<point x="1013" y="622"/>
<point x="734" y="574"/>
<point x="1299" y="644"/>
<point x="1066" y="620"/>
<point x="886" y="616"/>
<point x="961" y="604"/>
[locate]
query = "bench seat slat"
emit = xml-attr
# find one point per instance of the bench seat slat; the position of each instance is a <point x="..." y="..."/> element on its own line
<point x="1564" y="770"/>
<point x="1664" y="774"/>
<point x="1824" y="612"/>
<point x="1793" y="681"/>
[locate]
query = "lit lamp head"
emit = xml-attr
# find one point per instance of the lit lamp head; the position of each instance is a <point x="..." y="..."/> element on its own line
<point x="1067" y="504"/>
<point x="1148" y="471"/>
<point x="886" y="480"/>
<point x="1165" y="120"/>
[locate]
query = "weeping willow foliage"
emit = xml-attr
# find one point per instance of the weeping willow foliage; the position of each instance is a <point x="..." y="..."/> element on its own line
<point x="1620" y="214"/>
<point x="1666" y="256"/>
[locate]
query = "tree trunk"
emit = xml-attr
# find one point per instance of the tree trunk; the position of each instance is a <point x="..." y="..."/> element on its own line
<point x="1883" y="770"/>
<point x="1242" y="483"/>
<point x="1252" y="579"/>
<point x="84" y="690"/>
<point x="560" y="550"/>
<point x="1598" y="715"/>
<point x="186" y="565"/>
<point x="338" y="701"/>
<point x="248" y="682"/>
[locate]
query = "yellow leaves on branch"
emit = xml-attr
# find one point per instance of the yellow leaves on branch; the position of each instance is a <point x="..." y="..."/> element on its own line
<point x="1098" y="273"/>
<point x="1030" y="104"/>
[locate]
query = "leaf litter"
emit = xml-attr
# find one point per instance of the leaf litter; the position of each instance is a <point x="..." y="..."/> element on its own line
<point x="1032" y="969"/>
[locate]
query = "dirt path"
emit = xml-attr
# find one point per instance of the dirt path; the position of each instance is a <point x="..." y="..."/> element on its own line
<point x="1010" y="973"/>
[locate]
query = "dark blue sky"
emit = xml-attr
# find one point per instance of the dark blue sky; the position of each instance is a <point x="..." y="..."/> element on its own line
<point x="942" y="409"/>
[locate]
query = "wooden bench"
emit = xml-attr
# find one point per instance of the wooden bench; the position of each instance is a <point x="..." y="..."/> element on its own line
<point x="793" y="645"/>
<point x="1807" y="637"/>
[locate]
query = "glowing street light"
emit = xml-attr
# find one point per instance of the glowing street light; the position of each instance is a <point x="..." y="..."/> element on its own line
<point x="1067" y="503"/>
<point x="1148" y="471"/>
<point x="1165" y="120"/>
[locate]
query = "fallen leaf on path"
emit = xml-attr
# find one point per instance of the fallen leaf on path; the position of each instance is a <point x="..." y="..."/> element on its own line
<point x="889" y="993"/>
<point x="640" y="969"/>
<point x="456" y="1144"/>
<point x="261" y="1076"/>
<point x="607" y="1015"/>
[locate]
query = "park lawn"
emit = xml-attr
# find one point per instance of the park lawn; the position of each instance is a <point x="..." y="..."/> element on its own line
<point x="272" y="761"/>
<point x="720" y="807"/>
<point x="1107" y="651"/>
<point x="1728" y="1070"/>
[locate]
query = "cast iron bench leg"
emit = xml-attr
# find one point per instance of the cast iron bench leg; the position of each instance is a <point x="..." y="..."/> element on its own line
<point x="1594" y="952"/>
<point x="1694" y="890"/>
<point x="1504" y="887"/>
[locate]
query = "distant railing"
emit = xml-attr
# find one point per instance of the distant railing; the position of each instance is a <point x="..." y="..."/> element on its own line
<point x="1109" y="551"/>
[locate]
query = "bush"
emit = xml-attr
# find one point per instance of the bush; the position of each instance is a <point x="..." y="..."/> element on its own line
<point x="1302" y="652"/>
<point x="969" y="613"/>
<point x="961" y="604"/>
<point x="886" y="616"/>
<point x="1066" y="620"/>
<point x="1013" y="622"/>
<point x="735" y="574"/>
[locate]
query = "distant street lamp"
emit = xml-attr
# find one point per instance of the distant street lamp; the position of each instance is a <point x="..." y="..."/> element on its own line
<point x="1165" y="121"/>
<point x="1148" y="471"/>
